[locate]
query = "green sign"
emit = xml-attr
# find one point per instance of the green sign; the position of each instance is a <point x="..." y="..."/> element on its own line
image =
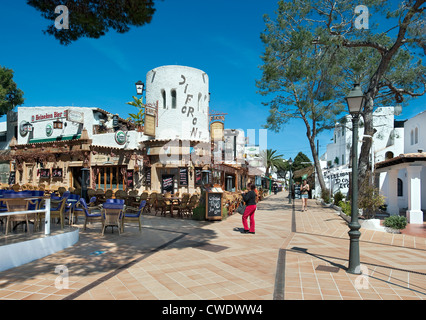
<point x="120" y="137"/>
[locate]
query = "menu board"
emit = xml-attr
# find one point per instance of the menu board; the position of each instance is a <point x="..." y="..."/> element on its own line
<point x="12" y="177"/>
<point x="45" y="173"/>
<point x="167" y="183"/>
<point x="147" y="176"/>
<point x="214" y="206"/>
<point x="183" y="176"/>
<point x="129" y="179"/>
<point x="57" y="173"/>
<point x="297" y="191"/>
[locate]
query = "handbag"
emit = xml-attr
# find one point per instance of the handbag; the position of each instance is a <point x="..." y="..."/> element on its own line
<point x="241" y="208"/>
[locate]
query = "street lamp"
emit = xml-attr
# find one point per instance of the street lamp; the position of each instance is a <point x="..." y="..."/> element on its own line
<point x="290" y="162"/>
<point x="139" y="87"/>
<point x="355" y="101"/>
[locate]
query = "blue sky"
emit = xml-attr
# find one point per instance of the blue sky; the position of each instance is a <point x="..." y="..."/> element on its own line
<point x="220" y="37"/>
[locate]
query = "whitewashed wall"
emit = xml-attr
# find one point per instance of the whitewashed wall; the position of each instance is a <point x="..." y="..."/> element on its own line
<point x="189" y="119"/>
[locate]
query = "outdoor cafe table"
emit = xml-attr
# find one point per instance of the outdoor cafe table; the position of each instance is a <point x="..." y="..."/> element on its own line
<point x="6" y="198"/>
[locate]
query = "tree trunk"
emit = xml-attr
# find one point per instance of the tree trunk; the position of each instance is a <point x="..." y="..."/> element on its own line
<point x="317" y="163"/>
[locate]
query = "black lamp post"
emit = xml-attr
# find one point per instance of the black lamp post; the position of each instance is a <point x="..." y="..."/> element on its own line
<point x="290" y="190"/>
<point x="139" y="87"/>
<point x="355" y="101"/>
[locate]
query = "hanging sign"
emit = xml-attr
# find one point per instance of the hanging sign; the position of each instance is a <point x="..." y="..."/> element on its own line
<point x="120" y="137"/>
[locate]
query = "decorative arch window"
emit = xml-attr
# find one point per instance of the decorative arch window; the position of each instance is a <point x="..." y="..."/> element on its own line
<point x="173" y="99"/>
<point x="416" y="135"/>
<point x="163" y="94"/>
<point x="412" y="137"/>
<point x="400" y="185"/>
<point x="388" y="155"/>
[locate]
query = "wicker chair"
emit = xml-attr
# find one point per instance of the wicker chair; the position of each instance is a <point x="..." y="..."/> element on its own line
<point x="162" y="204"/>
<point x="61" y="191"/>
<point x="151" y="201"/>
<point x="192" y="204"/>
<point x="18" y="204"/>
<point x="134" y="214"/>
<point x="108" y="194"/>
<point x="113" y="214"/>
<point x="88" y="214"/>
<point x="183" y="203"/>
<point x="57" y="210"/>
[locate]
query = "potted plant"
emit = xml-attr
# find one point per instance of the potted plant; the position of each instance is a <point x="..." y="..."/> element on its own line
<point x="394" y="224"/>
<point x="137" y="118"/>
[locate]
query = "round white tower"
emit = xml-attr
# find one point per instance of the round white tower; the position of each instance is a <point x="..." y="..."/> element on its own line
<point x="182" y="94"/>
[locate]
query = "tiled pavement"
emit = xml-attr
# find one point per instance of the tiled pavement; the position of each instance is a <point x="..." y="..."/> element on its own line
<point x="293" y="255"/>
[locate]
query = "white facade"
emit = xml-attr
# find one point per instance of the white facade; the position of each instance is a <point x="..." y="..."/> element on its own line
<point x="403" y="181"/>
<point x="74" y="120"/>
<point x="182" y="94"/>
<point x="388" y="141"/>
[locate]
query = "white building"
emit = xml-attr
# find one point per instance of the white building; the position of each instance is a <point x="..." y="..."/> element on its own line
<point x="387" y="142"/>
<point x="182" y="97"/>
<point x="403" y="177"/>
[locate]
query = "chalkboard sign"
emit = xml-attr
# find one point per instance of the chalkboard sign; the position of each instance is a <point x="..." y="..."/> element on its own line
<point x="297" y="192"/>
<point x="57" y="173"/>
<point x="183" y="176"/>
<point x="214" y="206"/>
<point x="147" y="176"/>
<point x="12" y="177"/>
<point x="129" y="179"/>
<point x="44" y="173"/>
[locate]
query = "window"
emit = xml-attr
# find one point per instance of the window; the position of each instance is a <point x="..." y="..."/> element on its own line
<point x="173" y="99"/>
<point x="416" y="135"/>
<point x="163" y="94"/>
<point x="199" y="101"/>
<point x="400" y="188"/>
<point x="343" y="159"/>
<point x="388" y="155"/>
<point x="412" y="137"/>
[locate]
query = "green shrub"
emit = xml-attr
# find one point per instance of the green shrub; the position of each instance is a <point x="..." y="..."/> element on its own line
<point x="224" y="213"/>
<point x="199" y="213"/>
<point x="338" y="196"/>
<point x="395" y="222"/>
<point x="325" y="195"/>
<point x="346" y="207"/>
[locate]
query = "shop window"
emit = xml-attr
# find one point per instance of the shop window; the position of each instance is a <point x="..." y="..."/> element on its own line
<point x="173" y="99"/>
<point x="400" y="185"/>
<point x="110" y="177"/>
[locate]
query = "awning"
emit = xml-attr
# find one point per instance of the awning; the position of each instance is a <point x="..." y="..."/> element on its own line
<point x="60" y="138"/>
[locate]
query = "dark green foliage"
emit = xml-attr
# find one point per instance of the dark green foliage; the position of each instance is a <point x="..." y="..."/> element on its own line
<point x="94" y="18"/>
<point x="395" y="222"/>
<point x="10" y="95"/>
<point x="338" y="196"/>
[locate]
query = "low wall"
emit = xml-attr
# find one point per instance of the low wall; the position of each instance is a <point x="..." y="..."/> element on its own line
<point x="16" y="254"/>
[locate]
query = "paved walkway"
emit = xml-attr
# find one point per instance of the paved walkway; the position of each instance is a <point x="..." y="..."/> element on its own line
<point x="293" y="255"/>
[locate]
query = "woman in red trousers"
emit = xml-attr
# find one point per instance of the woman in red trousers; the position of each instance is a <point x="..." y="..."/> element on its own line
<point x="250" y="201"/>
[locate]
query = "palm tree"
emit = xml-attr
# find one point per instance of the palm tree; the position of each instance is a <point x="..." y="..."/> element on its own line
<point x="271" y="160"/>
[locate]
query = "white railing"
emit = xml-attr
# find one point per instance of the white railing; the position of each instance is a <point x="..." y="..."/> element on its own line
<point x="46" y="212"/>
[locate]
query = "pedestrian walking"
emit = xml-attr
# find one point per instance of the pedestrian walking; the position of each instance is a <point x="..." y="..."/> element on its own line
<point x="304" y="189"/>
<point x="249" y="198"/>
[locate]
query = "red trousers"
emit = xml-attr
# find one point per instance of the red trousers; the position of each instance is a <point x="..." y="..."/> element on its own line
<point x="249" y="212"/>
